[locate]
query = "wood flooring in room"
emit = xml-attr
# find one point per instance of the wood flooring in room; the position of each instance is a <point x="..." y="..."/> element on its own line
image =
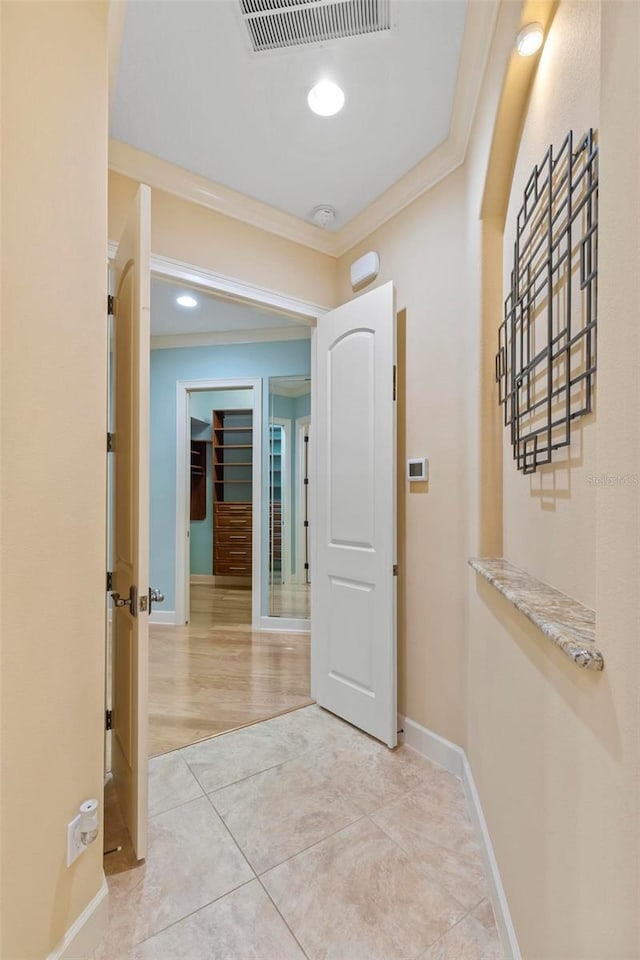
<point x="216" y="674"/>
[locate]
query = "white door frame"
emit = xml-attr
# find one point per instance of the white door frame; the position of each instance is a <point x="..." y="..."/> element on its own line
<point x="301" y="423"/>
<point x="303" y="311"/>
<point x="183" y="497"/>
<point x="285" y="564"/>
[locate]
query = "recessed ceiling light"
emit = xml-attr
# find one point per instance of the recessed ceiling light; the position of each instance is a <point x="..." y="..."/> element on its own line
<point x="186" y="301"/>
<point x="326" y="98"/>
<point x="530" y="39"/>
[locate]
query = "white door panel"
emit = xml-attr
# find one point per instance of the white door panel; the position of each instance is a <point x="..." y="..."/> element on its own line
<point x="354" y="597"/>
<point x="130" y="638"/>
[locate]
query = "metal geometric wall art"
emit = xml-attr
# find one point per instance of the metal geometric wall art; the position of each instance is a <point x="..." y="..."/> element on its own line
<point x="546" y="360"/>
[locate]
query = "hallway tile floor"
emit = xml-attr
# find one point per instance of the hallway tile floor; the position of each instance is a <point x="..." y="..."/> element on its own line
<point x="296" y="838"/>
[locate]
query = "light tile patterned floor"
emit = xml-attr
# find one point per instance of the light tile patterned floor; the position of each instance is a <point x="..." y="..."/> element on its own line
<point x="296" y="838"/>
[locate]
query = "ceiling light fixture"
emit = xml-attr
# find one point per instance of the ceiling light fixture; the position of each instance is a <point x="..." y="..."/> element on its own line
<point x="186" y="301"/>
<point x="530" y="39"/>
<point x="326" y="98"/>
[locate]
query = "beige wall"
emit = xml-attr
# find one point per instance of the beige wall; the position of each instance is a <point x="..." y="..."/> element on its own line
<point x="554" y="750"/>
<point x="54" y="143"/>
<point x="196" y="235"/>
<point x="558" y="503"/>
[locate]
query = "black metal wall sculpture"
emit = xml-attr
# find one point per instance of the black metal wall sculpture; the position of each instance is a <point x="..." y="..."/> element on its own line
<point x="546" y="361"/>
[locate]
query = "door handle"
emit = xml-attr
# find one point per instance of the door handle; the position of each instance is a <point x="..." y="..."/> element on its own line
<point x="155" y="596"/>
<point x="131" y="601"/>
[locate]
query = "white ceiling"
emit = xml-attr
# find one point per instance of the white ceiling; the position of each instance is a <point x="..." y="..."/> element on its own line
<point x="190" y="92"/>
<point x="212" y="315"/>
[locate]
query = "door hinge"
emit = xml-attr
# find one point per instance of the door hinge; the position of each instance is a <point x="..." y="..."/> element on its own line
<point x="108" y="720"/>
<point x="111" y="305"/>
<point x="111" y="442"/>
<point x="306" y="481"/>
<point x="306" y="438"/>
<point x="395" y="376"/>
<point x="306" y="566"/>
<point x="109" y="581"/>
<point x="306" y="523"/>
<point x="395" y="569"/>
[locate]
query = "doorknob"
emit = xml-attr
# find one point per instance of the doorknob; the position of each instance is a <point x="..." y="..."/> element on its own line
<point x="131" y="601"/>
<point x="155" y="596"/>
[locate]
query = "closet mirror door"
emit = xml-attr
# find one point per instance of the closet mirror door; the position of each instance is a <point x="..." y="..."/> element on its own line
<point x="288" y="501"/>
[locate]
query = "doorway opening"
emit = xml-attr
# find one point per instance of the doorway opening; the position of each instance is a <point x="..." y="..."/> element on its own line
<point x="232" y="646"/>
<point x="219" y="553"/>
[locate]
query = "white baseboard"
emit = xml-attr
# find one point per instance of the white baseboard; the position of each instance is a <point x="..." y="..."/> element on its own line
<point x="432" y="746"/>
<point x="84" y="935"/>
<point x="284" y="625"/>
<point x="167" y="617"/>
<point x="453" y="758"/>
<point x="202" y="578"/>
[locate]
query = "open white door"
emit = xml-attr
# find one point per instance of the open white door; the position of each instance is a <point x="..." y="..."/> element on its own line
<point x="130" y="595"/>
<point x="353" y="636"/>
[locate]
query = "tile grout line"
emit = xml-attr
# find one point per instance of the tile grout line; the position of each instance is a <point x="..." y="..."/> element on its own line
<point x="256" y="773"/>
<point x="210" y="902"/>
<point x="183" y="803"/>
<point x="192" y="913"/>
<point x="284" y="920"/>
<point x="240" y="850"/>
<point x="315" y="843"/>
<point x="440" y="846"/>
<point x="437" y="883"/>
<point x="454" y="925"/>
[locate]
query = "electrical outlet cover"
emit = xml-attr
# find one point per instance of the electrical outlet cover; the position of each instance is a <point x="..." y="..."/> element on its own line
<point x="75" y="846"/>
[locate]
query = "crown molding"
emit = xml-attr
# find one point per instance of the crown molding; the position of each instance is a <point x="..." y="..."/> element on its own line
<point x="479" y="28"/>
<point x="146" y="168"/>
<point x="261" y="335"/>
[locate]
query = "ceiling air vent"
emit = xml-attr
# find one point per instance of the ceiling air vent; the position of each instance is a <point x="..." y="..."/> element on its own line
<point x="280" y="24"/>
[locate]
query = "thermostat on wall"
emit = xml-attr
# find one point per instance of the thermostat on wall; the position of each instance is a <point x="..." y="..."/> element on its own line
<point x="417" y="470"/>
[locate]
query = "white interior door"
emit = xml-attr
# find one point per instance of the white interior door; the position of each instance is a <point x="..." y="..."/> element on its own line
<point x="130" y="642"/>
<point x="353" y="637"/>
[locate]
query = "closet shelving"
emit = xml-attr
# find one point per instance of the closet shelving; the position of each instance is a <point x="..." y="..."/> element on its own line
<point x="232" y="439"/>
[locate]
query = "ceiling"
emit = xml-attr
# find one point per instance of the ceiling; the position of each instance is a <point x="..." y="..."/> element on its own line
<point x="212" y="315"/>
<point x="191" y="92"/>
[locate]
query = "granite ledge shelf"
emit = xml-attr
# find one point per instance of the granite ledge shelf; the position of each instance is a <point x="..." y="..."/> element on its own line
<point x="570" y="624"/>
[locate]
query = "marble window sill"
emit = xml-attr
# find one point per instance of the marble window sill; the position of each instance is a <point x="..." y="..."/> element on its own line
<point x="569" y="624"/>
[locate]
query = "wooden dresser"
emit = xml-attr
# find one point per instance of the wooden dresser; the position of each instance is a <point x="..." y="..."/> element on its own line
<point x="232" y="436"/>
<point x="233" y="531"/>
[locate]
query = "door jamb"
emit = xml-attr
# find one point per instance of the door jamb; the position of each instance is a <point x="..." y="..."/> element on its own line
<point x="301" y="423"/>
<point x="286" y="501"/>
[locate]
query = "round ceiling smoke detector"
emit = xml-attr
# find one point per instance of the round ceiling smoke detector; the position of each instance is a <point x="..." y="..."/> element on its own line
<point x="324" y="216"/>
